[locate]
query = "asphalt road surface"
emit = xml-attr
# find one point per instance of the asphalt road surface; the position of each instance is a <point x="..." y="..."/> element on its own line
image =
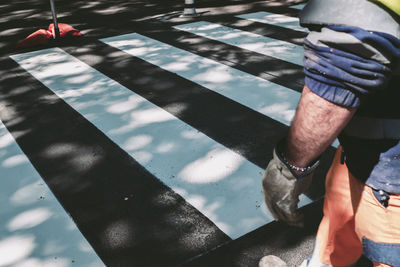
<point x="142" y="143"/>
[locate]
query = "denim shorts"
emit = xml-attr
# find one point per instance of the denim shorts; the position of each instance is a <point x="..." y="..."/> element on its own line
<point x="356" y="221"/>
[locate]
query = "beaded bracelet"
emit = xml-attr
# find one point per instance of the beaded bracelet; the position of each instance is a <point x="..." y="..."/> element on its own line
<point x="300" y="169"/>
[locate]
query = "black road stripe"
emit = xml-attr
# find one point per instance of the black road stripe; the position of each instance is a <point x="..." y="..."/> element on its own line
<point x="229" y="123"/>
<point x="91" y="176"/>
<point x="242" y="129"/>
<point x="235" y="126"/>
<point x="275" y="70"/>
<point x="269" y="30"/>
<point x="98" y="26"/>
<point x="247" y="131"/>
<point x="275" y="238"/>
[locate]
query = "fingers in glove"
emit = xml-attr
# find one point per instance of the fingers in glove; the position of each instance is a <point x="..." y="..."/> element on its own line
<point x="292" y="217"/>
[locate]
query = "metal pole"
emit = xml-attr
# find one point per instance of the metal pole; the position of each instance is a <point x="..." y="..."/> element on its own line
<point x="53" y="12"/>
<point x="189" y="9"/>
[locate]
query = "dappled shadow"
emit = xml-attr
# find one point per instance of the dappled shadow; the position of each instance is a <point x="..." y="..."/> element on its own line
<point x="126" y="214"/>
<point x="217" y="181"/>
<point x="289" y="243"/>
<point x="272" y="100"/>
<point x="274" y="19"/>
<point x="34" y="226"/>
<point x="98" y="18"/>
<point x="247" y="40"/>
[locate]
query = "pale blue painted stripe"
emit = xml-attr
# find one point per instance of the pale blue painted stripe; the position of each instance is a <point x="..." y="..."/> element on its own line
<point x="257" y="43"/>
<point x="299" y="6"/>
<point x="282" y="105"/>
<point x="35" y="230"/>
<point x="275" y="19"/>
<point x="217" y="181"/>
<point x="270" y="99"/>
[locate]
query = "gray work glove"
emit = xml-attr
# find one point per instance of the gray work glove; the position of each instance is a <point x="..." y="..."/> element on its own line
<point x="282" y="188"/>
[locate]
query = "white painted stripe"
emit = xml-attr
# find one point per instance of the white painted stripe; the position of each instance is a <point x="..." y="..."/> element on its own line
<point x="257" y="43"/>
<point x="217" y="181"/>
<point x="36" y="231"/>
<point x="270" y="99"/>
<point x="275" y="19"/>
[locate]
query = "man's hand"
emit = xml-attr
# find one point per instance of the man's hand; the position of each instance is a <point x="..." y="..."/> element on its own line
<point x="282" y="188"/>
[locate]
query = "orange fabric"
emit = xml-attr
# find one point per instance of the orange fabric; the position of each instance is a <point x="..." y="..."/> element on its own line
<point x="338" y="243"/>
<point x="39" y="37"/>
<point x="42" y="36"/>
<point x="64" y="29"/>
<point x="385" y="227"/>
<point x="351" y="212"/>
<point x="377" y="264"/>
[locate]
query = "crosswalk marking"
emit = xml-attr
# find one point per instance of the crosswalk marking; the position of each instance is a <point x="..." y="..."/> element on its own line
<point x="217" y="181"/>
<point x="272" y="100"/>
<point x="203" y="29"/>
<point x="274" y="19"/>
<point x="257" y="43"/>
<point x="29" y="210"/>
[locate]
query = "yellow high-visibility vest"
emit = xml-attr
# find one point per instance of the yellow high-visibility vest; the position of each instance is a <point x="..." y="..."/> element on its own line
<point x="393" y="5"/>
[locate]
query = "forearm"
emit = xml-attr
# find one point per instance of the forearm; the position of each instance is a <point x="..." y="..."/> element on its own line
<point x="345" y="77"/>
<point x="315" y="126"/>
